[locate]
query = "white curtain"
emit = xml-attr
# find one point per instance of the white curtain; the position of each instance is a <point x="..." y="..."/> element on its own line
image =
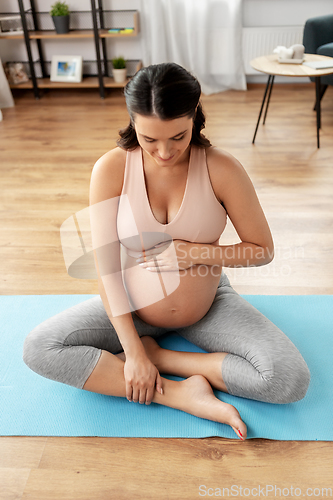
<point x="204" y="36"/>
<point x="6" y="98"/>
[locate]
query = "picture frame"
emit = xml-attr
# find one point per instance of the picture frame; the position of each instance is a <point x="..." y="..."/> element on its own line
<point x="66" y="69"/>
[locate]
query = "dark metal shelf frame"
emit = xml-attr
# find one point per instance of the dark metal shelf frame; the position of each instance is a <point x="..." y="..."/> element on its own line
<point x="36" y="21"/>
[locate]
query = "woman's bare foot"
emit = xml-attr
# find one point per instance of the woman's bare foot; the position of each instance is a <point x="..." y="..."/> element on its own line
<point x="195" y="393"/>
<point x="197" y="398"/>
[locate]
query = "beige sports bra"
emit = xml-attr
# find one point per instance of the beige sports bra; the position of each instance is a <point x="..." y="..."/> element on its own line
<point x="200" y="219"/>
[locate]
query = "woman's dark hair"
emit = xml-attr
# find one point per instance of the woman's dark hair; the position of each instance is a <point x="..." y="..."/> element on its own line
<point x="167" y="91"/>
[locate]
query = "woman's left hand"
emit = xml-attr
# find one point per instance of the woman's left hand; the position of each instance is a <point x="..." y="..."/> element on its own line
<point x="174" y="256"/>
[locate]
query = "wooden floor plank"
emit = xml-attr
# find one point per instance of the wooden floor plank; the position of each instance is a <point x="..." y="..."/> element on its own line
<point x="173" y="468"/>
<point x="13" y="481"/>
<point x="21" y="452"/>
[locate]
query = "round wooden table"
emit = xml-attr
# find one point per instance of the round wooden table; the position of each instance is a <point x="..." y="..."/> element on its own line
<point x="271" y="66"/>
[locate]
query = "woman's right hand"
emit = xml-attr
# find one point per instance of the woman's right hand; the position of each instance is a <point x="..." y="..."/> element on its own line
<point x="141" y="379"/>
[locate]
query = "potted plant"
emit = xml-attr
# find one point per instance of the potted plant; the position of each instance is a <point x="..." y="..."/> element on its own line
<point x="60" y="15"/>
<point x="119" y="69"/>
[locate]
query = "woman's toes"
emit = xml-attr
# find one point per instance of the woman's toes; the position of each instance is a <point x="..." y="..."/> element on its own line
<point x="241" y="433"/>
<point x="238" y="426"/>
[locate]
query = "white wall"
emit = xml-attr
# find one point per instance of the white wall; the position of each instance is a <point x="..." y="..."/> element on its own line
<point x="255" y="13"/>
<point x="283" y="12"/>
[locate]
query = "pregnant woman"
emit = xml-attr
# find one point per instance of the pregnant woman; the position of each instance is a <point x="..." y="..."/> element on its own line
<point x="159" y="203"/>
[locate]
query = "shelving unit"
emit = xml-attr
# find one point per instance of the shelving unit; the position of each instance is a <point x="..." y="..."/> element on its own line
<point x="99" y="32"/>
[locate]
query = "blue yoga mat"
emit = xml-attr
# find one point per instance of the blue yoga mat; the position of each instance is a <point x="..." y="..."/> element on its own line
<point x="31" y="405"/>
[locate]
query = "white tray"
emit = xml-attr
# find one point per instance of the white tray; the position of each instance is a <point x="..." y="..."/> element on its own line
<point x="290" y="61"/>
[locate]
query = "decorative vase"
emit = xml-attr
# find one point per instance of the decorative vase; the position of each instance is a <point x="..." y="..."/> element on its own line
<point x="119" y="75"/>
<point x="61" y="24"/>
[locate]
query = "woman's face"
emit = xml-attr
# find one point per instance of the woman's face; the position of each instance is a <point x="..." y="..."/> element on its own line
<point x="165" y="141"/>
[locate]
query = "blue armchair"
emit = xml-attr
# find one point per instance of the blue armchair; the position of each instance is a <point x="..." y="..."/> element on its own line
<point x="318" y="39"/>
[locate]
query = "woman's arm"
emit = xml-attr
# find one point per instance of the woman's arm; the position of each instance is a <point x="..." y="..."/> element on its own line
<point x="105" y="188"/>
<point x="235" y="190"/>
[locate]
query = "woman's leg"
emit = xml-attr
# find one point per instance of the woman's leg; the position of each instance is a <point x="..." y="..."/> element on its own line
<point x="248" y="355"/>
<point x="67" y="347"/>
<point x="75" y="347"/>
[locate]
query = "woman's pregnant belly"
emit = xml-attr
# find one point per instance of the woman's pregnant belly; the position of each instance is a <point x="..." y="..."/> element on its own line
<point x="171" y="299"/>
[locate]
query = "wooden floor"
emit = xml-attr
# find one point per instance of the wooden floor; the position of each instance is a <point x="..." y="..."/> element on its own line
<point x="47" y="150"/>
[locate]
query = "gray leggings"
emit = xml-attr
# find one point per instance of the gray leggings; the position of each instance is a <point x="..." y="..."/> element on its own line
<point x="261" y="364"/>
